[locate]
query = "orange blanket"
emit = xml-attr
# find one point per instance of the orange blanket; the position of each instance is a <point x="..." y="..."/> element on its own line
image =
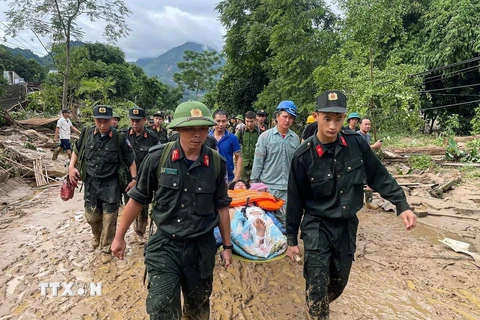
<point x="263" y="200"/>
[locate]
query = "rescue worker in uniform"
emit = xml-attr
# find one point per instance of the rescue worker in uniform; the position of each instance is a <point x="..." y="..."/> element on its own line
<point x="157" y="127"/>
<point x="248" y="137"/>
<point x="325" y="188"/>
<point x="190" y="200"/>
<point x="141" y="140"/>
<point x="261" y="120"/>
<point x="115" y="120"/>
<point x="310" y="128"/>
<point x="102" y="146"/>
<point x="352" y="120"/>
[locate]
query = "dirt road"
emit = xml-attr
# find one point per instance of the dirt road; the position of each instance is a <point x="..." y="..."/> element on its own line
<point x="396" y="275"/>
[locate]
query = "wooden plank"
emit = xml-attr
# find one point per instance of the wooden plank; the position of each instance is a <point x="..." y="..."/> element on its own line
<point x="38" y="121"/>
<point x="459" y="164"/>
<point x="439" y="214"/>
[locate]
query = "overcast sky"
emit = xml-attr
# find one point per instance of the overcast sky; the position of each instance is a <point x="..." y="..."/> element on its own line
<point x="157" y="26"/>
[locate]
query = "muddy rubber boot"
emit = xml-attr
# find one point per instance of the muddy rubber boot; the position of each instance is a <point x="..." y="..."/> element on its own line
<point x="56" y="153"/>
<point x="95" y="242"/>
<point x="368" y="200"/>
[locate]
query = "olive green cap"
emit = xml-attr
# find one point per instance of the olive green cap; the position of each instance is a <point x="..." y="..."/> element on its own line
<point x="191" y="114"/>
<point x="115" y="115"/>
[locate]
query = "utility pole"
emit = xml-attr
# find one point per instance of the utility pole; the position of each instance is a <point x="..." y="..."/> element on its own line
<point x="372" y="103"/>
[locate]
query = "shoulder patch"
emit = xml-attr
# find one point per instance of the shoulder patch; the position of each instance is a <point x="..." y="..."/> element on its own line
<point x="307" y="144"/>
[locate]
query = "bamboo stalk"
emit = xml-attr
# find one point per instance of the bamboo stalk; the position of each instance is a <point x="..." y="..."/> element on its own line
<point x="37" y="180"/>
<point x="22" y="166"/>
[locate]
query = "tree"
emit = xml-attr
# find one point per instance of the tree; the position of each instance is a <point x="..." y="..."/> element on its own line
<point x="271" y="49"/>
<point x="301" y="38"/>
<point x="152" y="90"/>
<point x="395" y="95"/>
<point x="246" y="50"/>
<point x="199" y="71"/>
<point x="57" y="20"/>
<point x="28" y="69"/>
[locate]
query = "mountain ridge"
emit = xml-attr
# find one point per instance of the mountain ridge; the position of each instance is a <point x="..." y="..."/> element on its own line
<point x="165" y="65"/>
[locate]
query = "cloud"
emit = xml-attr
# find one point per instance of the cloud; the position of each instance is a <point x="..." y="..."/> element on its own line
<point x="154" y="32"/>
<point x="157" y="26"/>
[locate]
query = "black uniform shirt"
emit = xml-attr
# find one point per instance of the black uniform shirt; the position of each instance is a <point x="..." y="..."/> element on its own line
<point x="186" y="198"/>
<point x="309" y="130"/>
<point x="161" y="133"/>
<point x="141" y="143"/>
<point x="102" y="152"/>
<point x="329" y="187"/>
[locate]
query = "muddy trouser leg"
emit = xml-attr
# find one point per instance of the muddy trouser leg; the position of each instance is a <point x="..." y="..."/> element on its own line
<point x="109" y="227"/>
<point x="93" y="215"/>
<point x="326" y="274"/>
<point x="163" y="263"/>
<point x="140" y="224"/>
<point x="56" y="153"/>
<point x="282" y="213"/>
<point x="199" y="261"/>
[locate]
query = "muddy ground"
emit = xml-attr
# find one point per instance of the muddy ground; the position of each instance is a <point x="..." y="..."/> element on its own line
<point x="396" y="275"/>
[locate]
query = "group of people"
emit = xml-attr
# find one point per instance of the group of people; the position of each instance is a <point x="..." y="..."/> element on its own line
<point x="187" y="182"/>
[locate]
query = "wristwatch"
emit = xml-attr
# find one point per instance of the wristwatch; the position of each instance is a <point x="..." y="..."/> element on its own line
<point x="134" y="178"/>
<point x="230" y="247"/>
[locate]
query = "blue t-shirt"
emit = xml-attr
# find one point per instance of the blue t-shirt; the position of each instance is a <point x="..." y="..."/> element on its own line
<point x="227" y="146"/>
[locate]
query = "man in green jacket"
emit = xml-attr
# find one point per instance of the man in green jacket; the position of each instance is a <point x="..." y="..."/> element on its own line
<point x="325" y="189"/>
<point x="248" y="137"/>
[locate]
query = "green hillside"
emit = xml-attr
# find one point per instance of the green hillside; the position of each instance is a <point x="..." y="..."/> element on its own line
<point x="45" y="61"/>
<point x="165" y="65"/>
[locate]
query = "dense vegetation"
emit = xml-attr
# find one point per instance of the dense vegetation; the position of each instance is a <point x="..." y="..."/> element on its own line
<point x="406" y="64"/>
<point x="399" y="62"/>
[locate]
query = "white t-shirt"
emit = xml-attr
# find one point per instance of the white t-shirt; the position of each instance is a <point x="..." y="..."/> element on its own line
<point x="63" y="126"/>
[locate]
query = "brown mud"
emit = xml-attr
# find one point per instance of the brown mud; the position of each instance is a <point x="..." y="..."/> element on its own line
<point x="396" y="274"/>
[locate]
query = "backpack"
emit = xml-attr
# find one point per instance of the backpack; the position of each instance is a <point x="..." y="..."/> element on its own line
<point x="81" y="165"/>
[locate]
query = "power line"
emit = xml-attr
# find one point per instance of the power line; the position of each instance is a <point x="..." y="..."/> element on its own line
<point x="17" y="45"/>
<point x="453" y="73"/>
<point x="446" y="67"/>
<point x="451" y="105"/>
<point x="454" y="94"/>
<point x="450" y="88"/>
<point x="436" y="69"/>
<point x="26" y="42"/>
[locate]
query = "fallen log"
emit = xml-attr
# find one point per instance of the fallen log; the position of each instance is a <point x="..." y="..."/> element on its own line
<point x="420" y="150"/>
<point x="438" y="191"/>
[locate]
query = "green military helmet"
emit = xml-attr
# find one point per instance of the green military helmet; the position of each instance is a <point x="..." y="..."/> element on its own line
<point x="115" y="115"/>
<point x="191" y="114"/>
